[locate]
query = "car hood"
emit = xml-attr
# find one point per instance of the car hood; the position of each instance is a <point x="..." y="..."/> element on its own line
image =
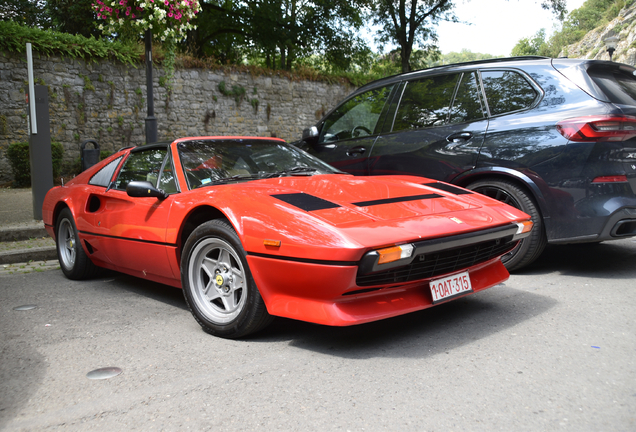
<point x="355" y="212"/>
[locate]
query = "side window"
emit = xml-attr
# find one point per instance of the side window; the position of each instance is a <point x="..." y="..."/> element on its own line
<point x="141" y="166"/>
<point x="357" y="117"/>
<point x="426" y="102"/>
<point x="104" y="175"/>
<point x="507" y="91"/>
<point x="467" y="105"/>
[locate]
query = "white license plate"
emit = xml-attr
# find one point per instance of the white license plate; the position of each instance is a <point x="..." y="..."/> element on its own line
<point x="451" y="286"/>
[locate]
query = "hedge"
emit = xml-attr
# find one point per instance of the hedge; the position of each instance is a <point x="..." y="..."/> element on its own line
<point x="18" y="155"/>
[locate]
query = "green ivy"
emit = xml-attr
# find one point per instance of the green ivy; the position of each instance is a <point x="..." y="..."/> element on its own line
<point x="13" y="38"/>
<point x="18" y="155"/>
<point x="237" y="91"/>
<point x="88" y="85"/>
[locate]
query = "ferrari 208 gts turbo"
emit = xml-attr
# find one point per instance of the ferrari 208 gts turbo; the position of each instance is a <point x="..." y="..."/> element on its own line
<point x="252" y="228"/>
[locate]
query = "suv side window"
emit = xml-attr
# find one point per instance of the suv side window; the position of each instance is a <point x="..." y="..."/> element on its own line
<point x="357" y="117"/>
<point x="467" y="105"/>
<point x="426" y="102"/>
<point x="507" y="91"/>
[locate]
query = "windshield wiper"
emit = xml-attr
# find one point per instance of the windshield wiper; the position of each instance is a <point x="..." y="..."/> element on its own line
<point x="298" y="170"/>
<point x="236" y="177"/>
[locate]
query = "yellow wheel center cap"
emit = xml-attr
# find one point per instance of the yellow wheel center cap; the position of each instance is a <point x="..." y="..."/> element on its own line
<point x="219" y="280"/>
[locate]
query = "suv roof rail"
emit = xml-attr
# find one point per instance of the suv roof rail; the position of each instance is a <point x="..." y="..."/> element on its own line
<point x="486" y="61"/>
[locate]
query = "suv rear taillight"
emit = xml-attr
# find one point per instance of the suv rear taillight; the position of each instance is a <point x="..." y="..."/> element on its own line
<point x="598" y="128"/>
<point x="611" y="179"/>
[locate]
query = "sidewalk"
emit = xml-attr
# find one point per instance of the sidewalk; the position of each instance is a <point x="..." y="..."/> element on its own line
<point x="24" y="244"/>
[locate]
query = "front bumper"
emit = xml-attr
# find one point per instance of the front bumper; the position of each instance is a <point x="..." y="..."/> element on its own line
<point x="328" y="294"/>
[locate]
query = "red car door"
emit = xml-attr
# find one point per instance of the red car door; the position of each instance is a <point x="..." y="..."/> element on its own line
<point x="132" y="230"/>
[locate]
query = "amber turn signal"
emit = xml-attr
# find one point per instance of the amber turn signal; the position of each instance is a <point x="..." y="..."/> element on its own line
<point x="273" y="243"/>
<point x="395" y="253"/>
<point x="524" y="227"/>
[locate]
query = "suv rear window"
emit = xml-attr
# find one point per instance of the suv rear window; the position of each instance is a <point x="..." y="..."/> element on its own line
<point x="507" y="91"/>
<point x="619" y="86"/>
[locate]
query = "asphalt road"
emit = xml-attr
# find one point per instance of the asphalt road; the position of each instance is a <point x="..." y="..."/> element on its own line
<point x="554" y="348"/>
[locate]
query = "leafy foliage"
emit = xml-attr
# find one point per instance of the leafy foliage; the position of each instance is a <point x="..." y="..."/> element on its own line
<point x="26" y="12"/>
<point x="279" y="34"/>
<point x="410" y="24"/>
<point x="593" y="14"/>
<point x="73" y="16"/>
<point x="13" y="38"/>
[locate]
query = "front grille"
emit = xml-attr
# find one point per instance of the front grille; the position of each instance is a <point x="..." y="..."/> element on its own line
<point x="438" y="263"/>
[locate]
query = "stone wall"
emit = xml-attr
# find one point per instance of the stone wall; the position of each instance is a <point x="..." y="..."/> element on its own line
<point x="106" y="101"/>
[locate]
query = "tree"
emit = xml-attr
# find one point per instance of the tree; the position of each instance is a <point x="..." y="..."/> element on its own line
<point x="530" y="46"/>
<point x="408" y="23"/>
<point x="73" y="16"/>
<point x="31" y="13"/>
<point x="279" y="31"/>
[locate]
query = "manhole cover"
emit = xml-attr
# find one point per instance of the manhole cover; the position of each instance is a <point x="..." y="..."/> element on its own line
<point x="104" y="373"/>
<point x="25" y="307"/>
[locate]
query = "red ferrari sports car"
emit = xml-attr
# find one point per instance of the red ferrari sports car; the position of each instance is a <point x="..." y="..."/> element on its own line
<point x="253" y="228"/>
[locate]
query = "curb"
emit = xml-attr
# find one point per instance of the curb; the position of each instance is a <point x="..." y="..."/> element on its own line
<point x="45" y="253"/>
<point x="22" y="232"/>
<point x="33" y="248"/>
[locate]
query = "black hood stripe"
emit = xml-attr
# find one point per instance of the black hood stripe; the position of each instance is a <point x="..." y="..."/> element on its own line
<point x="448" y="188"/>
<point x="305" y="201"/>
<point x="397" y="200"/>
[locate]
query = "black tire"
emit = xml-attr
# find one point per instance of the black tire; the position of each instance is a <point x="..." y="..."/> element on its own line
<point x="218" y="285"/>
<point x="508" y="192"/>
<point x="74" y="262"/>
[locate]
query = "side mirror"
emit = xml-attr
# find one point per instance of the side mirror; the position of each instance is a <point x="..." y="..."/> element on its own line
<point x="310" y="135"/>
<point x="144" y="189"/>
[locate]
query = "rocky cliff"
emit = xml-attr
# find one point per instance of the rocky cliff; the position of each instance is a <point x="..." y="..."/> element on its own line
<point x="592" y="46"/>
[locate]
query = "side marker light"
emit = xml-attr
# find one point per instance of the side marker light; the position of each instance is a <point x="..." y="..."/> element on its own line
<point x="272" y="243"/>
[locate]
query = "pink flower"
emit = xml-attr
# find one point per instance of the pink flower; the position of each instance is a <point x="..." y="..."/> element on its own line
<point x="133" y="16"/>
<point x="170" y="14"/>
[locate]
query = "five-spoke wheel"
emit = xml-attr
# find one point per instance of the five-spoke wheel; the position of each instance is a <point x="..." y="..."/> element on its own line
<point x="74" y="262"/>
<point x="217" y="283"/>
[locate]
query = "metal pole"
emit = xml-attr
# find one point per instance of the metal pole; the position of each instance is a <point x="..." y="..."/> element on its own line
<point x="33" y="122"/>
<point x="151" y="120"/>
<point x="40" y="151"/>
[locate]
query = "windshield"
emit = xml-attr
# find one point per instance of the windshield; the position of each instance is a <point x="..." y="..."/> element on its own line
<point x="210" y="162"/>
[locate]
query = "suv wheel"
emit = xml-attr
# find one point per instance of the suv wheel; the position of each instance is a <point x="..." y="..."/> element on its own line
<point x="507" y="192"/>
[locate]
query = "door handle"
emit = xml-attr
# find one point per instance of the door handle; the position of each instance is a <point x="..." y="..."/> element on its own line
<point x="356" y="151"/>
<point x="459" y="137"/>
<point x="327" y="146"/>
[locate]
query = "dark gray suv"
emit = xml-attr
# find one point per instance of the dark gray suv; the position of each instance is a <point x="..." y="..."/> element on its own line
<point x="555" y="138"/>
